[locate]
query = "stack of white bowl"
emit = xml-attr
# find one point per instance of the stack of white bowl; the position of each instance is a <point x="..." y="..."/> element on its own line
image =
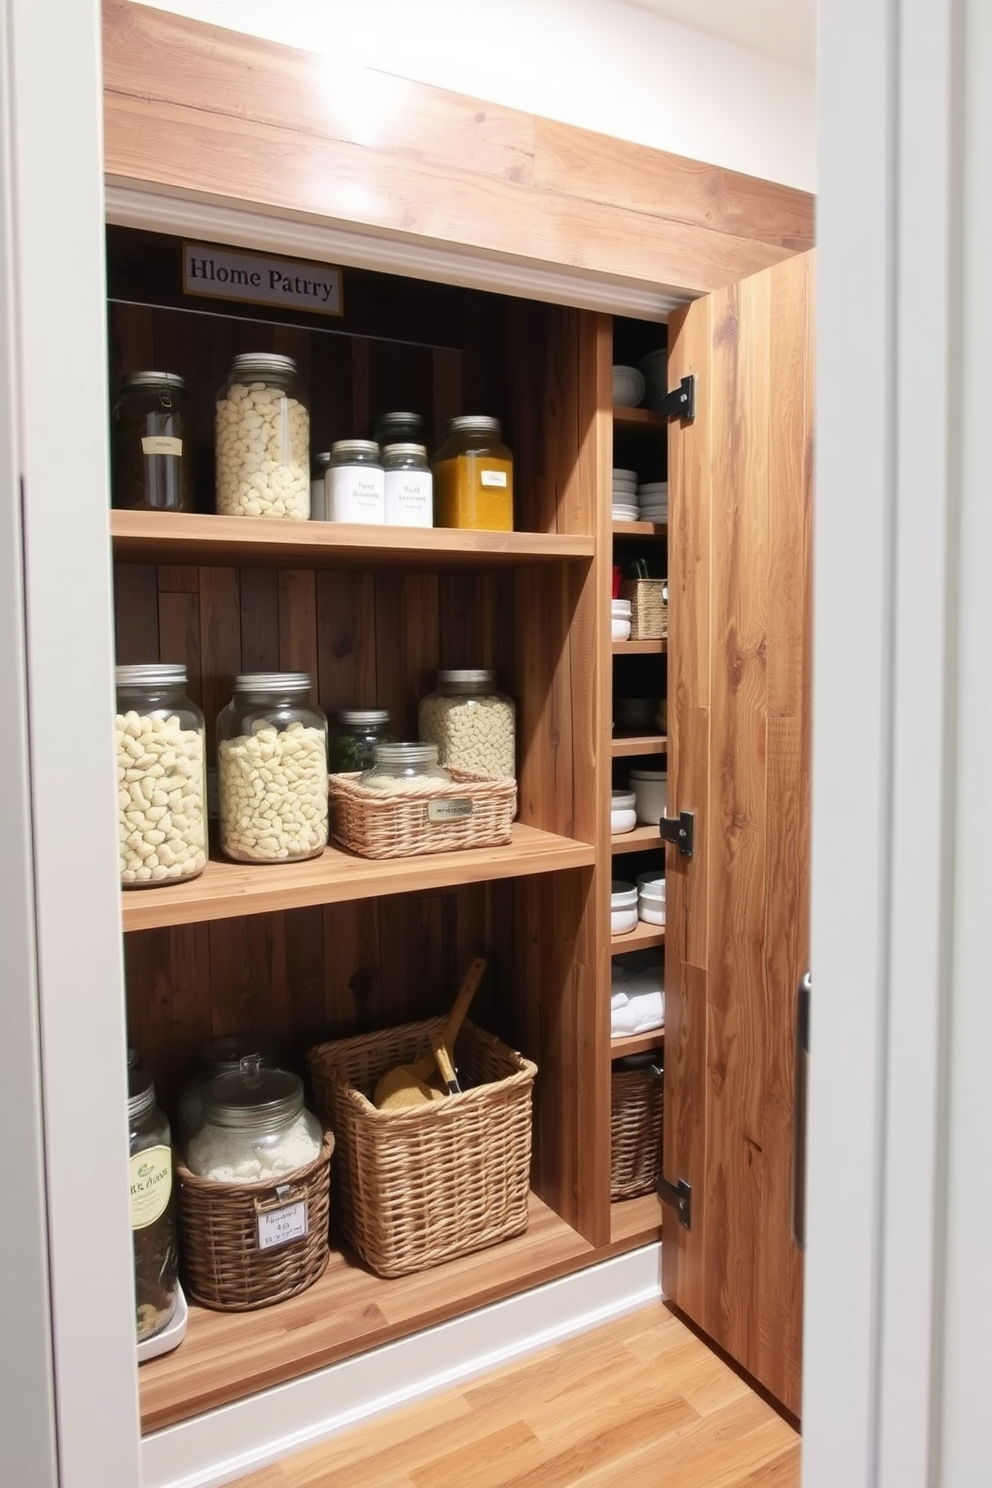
<point x="652" y="501"/>
<point x="628" y="387"/>
<point x="651" y="897"/>
<point x="625" y="507"/>
<point x="620" y="619"/>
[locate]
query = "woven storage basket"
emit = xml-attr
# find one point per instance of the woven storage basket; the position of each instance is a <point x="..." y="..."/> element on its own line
<point x="419" y="1186"/>
<point x="223" y="1265"/>
<point x="648" y="608"/>
<point x="636" y="1101"/>
<point x="376" y="824"/>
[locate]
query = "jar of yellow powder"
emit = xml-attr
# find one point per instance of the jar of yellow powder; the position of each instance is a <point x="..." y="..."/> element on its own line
<point x="473" y="476"/>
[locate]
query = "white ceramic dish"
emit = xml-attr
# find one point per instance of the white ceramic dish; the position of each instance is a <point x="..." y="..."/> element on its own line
<point x="652" y="883"/>
<point x="623" y="907"/>
<point x="619" y="472"/>
<point x="620" y="630"/>
<point x="623" y="816"/>
<point x="651" y="913"/>
<point x="622" y="511"/>
<point x="653" y="488"/>
<point x="170" y="1337"/>
<point x="628" y="387"/>
<point x="651" y="789"/>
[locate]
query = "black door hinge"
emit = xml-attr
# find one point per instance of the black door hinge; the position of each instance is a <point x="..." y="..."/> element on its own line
<point x="680" y="403"/>
<point x="682" y="833"/>
<point x="679" y="1196"/>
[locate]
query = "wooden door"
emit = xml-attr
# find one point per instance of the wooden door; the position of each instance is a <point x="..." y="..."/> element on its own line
<point x="739" y="757"/>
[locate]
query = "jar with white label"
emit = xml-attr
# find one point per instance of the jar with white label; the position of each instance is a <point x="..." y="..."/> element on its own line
<point x="255" y="1127"/>
<point x="153" y="1212"/>
<point x="161" y="780"/>
<point x="318" y="486"/>
<point x="409" y="486"/>
<point x="153" y="455"/>
<point x="356" y="484"/>
<point x="471" y="723"/>
<point x="473" y="475"/>
<point x="262" y="428"/>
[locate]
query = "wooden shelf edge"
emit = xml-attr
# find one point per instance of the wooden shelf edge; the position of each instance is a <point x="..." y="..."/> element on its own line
<point x="637" y="1043"/>
<point x="638" y="418"/>
<point x="622" y="747"/>
<point x="640" y="529"/>
<point x="641" y="839"/>
<point x="635" y="1222"/>
<point x="641" y="939"/>
<point x="639" y="648"/>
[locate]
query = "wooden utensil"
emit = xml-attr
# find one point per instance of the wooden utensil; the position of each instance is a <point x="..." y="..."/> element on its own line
<point x="407" y="1084"/>
<point x="444" y="1062"/>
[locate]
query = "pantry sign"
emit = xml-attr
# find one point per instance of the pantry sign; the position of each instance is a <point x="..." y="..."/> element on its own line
<point x="228" y="274"/>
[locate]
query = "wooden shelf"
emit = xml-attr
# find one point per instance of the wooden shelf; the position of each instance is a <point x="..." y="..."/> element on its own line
<point x="227" y="1356"/>
<point x="641" y="839"/>
<point x="225" y="890"/>
<point x="638" y="418"/>
<point x="175" y="537"/>
<point x="639" y="744"/>
<point x="636" y="1221"/>
<point x="637" y="1043"/>
<point x="639" y="648"/>
<point x="640" y="529"/>
<point x="641" y="939"/>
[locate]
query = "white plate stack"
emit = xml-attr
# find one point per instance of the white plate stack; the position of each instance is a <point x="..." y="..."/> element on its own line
<point x="652" y="501"/>
<point x="625" y="507"/>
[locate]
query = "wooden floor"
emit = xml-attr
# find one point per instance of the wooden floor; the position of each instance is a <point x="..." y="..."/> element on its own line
<point x="640" y="1403"/>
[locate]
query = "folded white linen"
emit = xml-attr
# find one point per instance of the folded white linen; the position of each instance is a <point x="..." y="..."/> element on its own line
<point x="618" y="999"/>
<point x="622" y="1021"/>
<point x="647" y="1010"/>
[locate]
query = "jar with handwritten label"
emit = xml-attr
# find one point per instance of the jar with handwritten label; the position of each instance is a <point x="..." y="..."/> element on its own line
<point x="473" y="476"/>
<point x="153" y="455"/>
<point x="356" y="484"/>
<point x="409" y="486"/>
<point x="153" y="1210"/>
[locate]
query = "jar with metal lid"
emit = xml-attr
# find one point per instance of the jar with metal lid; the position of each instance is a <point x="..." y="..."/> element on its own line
<point x="153" y="455"/>
<point x="471" y="722"/>
<point x="356" y="486"/>
<point x="473" y="476"/>
<point x="221" y="1057"/>
<point x="399" y="428"/>
<point x="355" y="735"/>
<point x="263" y="440"/>
<point x="255" y="1127"/>
<point x="161" y="777"/>
<point x="404" y="767"/>
<point x="272" y="770"/>
<point x="319" y="466"/>
<point x="153" y="1211"/>
<point x="409" y="486"/>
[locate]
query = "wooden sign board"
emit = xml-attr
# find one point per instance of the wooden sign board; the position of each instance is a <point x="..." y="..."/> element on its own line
<point x="229" y="274"/>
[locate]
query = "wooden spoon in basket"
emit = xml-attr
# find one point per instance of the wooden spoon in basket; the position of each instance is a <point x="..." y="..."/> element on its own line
<point x="407" y="1084"/>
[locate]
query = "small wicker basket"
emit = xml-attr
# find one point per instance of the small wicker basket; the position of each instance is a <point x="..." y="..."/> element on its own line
<point x="636" y="1106"/>
<point x="418" y="1186"/>
<point x="648" y="608"/>
<point x="224" y="1266"/>
<point x="473" y="811"/>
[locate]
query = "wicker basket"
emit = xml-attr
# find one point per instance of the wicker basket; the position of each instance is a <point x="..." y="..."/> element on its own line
<point x="419" y="1186"/>
<point x="223" y="1264"/>
<point x="636" y="1101"/>
<point x="473" y="811"/>
<point x="648" y="608"/>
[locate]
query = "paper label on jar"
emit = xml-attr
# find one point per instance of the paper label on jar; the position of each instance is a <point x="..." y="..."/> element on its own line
<point x="493" y="478"/>
<point x="409" y="498"/>
<point x="151" y="1185"/>
<point x="357" y="494"/>
<point x="440" y="811"/>
<point x="280" y="1226"/>
<point x="161" y="444"/>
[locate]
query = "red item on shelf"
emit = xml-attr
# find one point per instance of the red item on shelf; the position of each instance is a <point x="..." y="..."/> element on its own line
<point x="617" y="580"/>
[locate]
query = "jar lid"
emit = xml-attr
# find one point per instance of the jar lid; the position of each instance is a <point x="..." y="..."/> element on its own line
<point x="405" y="449"/>
<point x="170" y="382"/>
<point x="475" y="423"/>
<point x="355" y="447"/>
<point x="257" y="365"/>
<point x="272" y="682"/>
<point x="140" y="1093"/>
<point x="362" y="715"/>
<point x="253" y="1099"/>
<point x="324" y="458"/>
<point x="467" y="677"/>
<point x="154" y="674"/>
<point x="225" y="1054"/>
<point x="406" y="754"/>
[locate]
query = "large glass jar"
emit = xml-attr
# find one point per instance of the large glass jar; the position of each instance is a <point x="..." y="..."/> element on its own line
<point x="255" y="1127"/>
<point x="153" y="1212"/>
<point x="404" y="767"/>
<point x="272" y="770"/>
<point x="400" y="428"/>
<point x="356" y="486"/>
<point x="473" y="476"/>
<point x="409" y="486"/>
<point x="355" y="735"/>
<point x="153" y="456"/>
<point x="471" y="723"/>
<point x="161" y="779"/>
<point x="318" y="486"/>
<point x="221" y="1057"/>
<point x="263" y="440"/>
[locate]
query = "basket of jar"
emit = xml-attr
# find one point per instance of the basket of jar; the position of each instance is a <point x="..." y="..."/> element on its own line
<point x="648" y="608"/>
<point x="407" y="805"/>
<point x="636" y="1105"/>
<point x="254" y="1192"/>
<point x="418" y="1185"/>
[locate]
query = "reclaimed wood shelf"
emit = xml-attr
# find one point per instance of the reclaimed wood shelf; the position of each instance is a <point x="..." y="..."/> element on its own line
<point x="638" y="418"/>
<point x="641" y="839"/>
<point x="225" y="890"/>
<point x="641" y="939"/>
<point x="180" y="537"/>
<point x="640" y="529"/>
<point x="637" y="1043"/>
<point x="637" y="1221"/>
<point x="639" y="744"/>
<point x="639" y="648"/>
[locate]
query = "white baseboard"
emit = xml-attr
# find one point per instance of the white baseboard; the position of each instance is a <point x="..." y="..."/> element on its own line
<point x="236" y="1439"/>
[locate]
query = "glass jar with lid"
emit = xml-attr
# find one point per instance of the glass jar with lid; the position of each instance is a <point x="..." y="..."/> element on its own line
<point x="161" y="777"/>
<point x="409" y="486"/>
<point x="356" y="486"/>
<point x="255" y="1127"/>
<point x="272" y="770"/>
<point x="222" y="1056"/>
<point x="473" y="476"/>
<point x="471" y="722"/>
<point x="399" y="428"/>
<point x="263" y="440"/>
<point x="403" y="767"/>
<point x="355" y="736"/>
<point x="153" y="1212"/>
<point x="153" y="456"/>
<point x="319" y="466"/>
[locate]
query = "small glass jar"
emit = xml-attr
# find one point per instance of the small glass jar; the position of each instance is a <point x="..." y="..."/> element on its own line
<point x="399" y="428"/>
<point x="255" y="1127"/>
<point x="153" y="1211"/>
<point x="272" y="770"/>
<point x="473" y="476"/>
<point x="161" y="777"/>
<point x="263" y="440"/>
<point x="356" y="485"/>
<point x="472" y="724"/>
<point x="223" y="1056"/>
<point x="409" y="486"/>
<point x="402" y="767"/>
<point x="318" y="486"/>
<point x="153" y="455"/>
<point x="355" y="736"/>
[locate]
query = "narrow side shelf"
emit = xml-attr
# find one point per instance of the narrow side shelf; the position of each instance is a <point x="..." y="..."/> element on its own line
<point x="641" y="839"/>
<point x="641" y="939"/>
<point x="225" y="890"/>
<point x="638" y="418"/>
<point x="639" y="744"/>
<point x="639" y="648"/>
<point x="637" y="1043"/>
<point x="636" y="1221"/>
<point x="640" y="529"/>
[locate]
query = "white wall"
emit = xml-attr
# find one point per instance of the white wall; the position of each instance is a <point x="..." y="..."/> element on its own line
<point x="599" y="64"/>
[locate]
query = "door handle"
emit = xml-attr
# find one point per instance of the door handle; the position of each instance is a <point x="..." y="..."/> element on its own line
<point x="800" y="1097"/>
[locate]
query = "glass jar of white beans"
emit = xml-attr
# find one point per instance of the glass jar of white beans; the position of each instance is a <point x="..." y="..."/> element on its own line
<point x="472" y="724"/>
<point x="161" y="777"/>
<point x="262" y="430"/>
<point x="272" y="770"/>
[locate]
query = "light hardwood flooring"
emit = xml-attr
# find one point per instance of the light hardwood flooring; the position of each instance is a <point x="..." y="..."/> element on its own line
<point x="639" y="1403"/>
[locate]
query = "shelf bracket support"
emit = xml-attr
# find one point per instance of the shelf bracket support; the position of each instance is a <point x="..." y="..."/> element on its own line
<point x="680" y="403"/>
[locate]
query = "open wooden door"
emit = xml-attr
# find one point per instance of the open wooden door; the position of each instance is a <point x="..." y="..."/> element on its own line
<point x="740" y="477"/>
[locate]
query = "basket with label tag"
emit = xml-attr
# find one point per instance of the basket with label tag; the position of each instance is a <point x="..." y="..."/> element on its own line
<point x="469" y="811"/>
